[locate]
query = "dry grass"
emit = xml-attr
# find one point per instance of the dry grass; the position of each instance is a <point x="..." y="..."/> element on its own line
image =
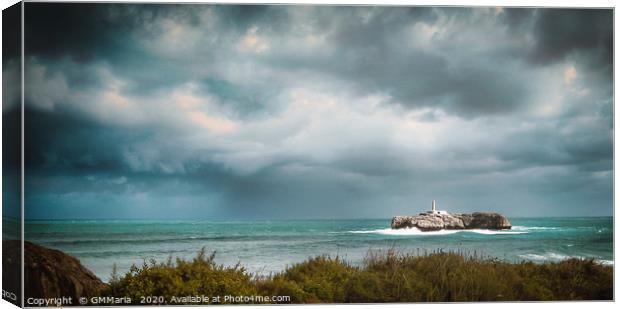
<point x="383" y="277"/>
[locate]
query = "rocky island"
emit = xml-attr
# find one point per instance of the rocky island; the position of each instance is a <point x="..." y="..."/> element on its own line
<point x="434" y="220"/>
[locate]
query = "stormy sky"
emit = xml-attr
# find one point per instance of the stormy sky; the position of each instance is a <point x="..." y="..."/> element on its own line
<point x="237" y="112"/>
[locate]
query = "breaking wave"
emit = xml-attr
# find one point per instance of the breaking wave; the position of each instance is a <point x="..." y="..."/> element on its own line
<point x="556" y="257"/>
<point x="533" y="228"/>
<point x="416" y="232"/>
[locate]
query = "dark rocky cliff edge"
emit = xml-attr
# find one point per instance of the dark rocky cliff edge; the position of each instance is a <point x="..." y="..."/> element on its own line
<point x="435" y="222"/>
<point x="49" y="273"/>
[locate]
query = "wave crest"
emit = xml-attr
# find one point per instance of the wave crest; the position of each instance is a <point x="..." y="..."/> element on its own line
<point x="557" y="257"/>
<point x="417" y="232"/>
<point x="532" y="228"/>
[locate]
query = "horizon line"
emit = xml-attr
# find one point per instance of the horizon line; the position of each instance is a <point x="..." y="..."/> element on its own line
<point x="266" y="219"/>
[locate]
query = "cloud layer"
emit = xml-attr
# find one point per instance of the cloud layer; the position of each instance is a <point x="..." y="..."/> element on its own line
<point x="222" y="111"/>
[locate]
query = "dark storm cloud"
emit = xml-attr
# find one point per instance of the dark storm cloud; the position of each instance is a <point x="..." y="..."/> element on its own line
<point x="315" y="111"/>
<point x="64" y="143"/>
<point x="516" y="18"/>
<point x="559" y="33"/>
<point x="371" y="49"/>
<point x="80" y="31"/>
<point x="584" y="150"/>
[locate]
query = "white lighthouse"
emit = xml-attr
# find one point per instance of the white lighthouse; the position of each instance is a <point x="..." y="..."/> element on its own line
<point x="435" y="211"/>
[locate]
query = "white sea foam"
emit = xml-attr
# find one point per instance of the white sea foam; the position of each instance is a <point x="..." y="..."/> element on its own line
<point x="405" y="232"/>
<point x="549" y="256"/>
<point x="533" y="257"/>
<point x="416" y="232"/>
<point x="495" y="232"/>
<point x="532" y="228"/>
<point x="556" y="257"/>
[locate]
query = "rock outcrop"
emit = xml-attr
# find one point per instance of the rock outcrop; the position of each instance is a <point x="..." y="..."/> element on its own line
<point x="435" y="221"/>
<point x="49" y="273"/>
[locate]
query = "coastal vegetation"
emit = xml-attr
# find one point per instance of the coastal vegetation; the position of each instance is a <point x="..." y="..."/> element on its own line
<point x="383" y="277"/>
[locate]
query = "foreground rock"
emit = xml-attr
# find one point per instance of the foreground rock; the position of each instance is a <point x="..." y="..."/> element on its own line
<point x="447" y="221"/>
<point x="49" y="273"/>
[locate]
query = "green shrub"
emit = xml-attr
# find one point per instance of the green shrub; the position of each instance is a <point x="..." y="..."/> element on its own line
<point x="383" y="277"/>
<point x="201" y="276"/>
<point x="323" y="279"/>
<point x="281" y="286"/>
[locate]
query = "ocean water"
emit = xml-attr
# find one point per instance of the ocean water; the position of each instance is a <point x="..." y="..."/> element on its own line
<point x="264" y="247"/>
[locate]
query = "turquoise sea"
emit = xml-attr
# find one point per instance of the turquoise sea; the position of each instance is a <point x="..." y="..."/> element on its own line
<point x="264" y="247"/>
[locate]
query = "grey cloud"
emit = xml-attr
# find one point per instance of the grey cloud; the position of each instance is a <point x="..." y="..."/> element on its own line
<point x="317" y="111"/>
<point x="371" y="49"/>
<point x="559" y="33"/>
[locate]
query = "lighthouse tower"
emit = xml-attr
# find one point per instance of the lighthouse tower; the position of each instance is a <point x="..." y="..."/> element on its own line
<point x="435" y="211"/>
